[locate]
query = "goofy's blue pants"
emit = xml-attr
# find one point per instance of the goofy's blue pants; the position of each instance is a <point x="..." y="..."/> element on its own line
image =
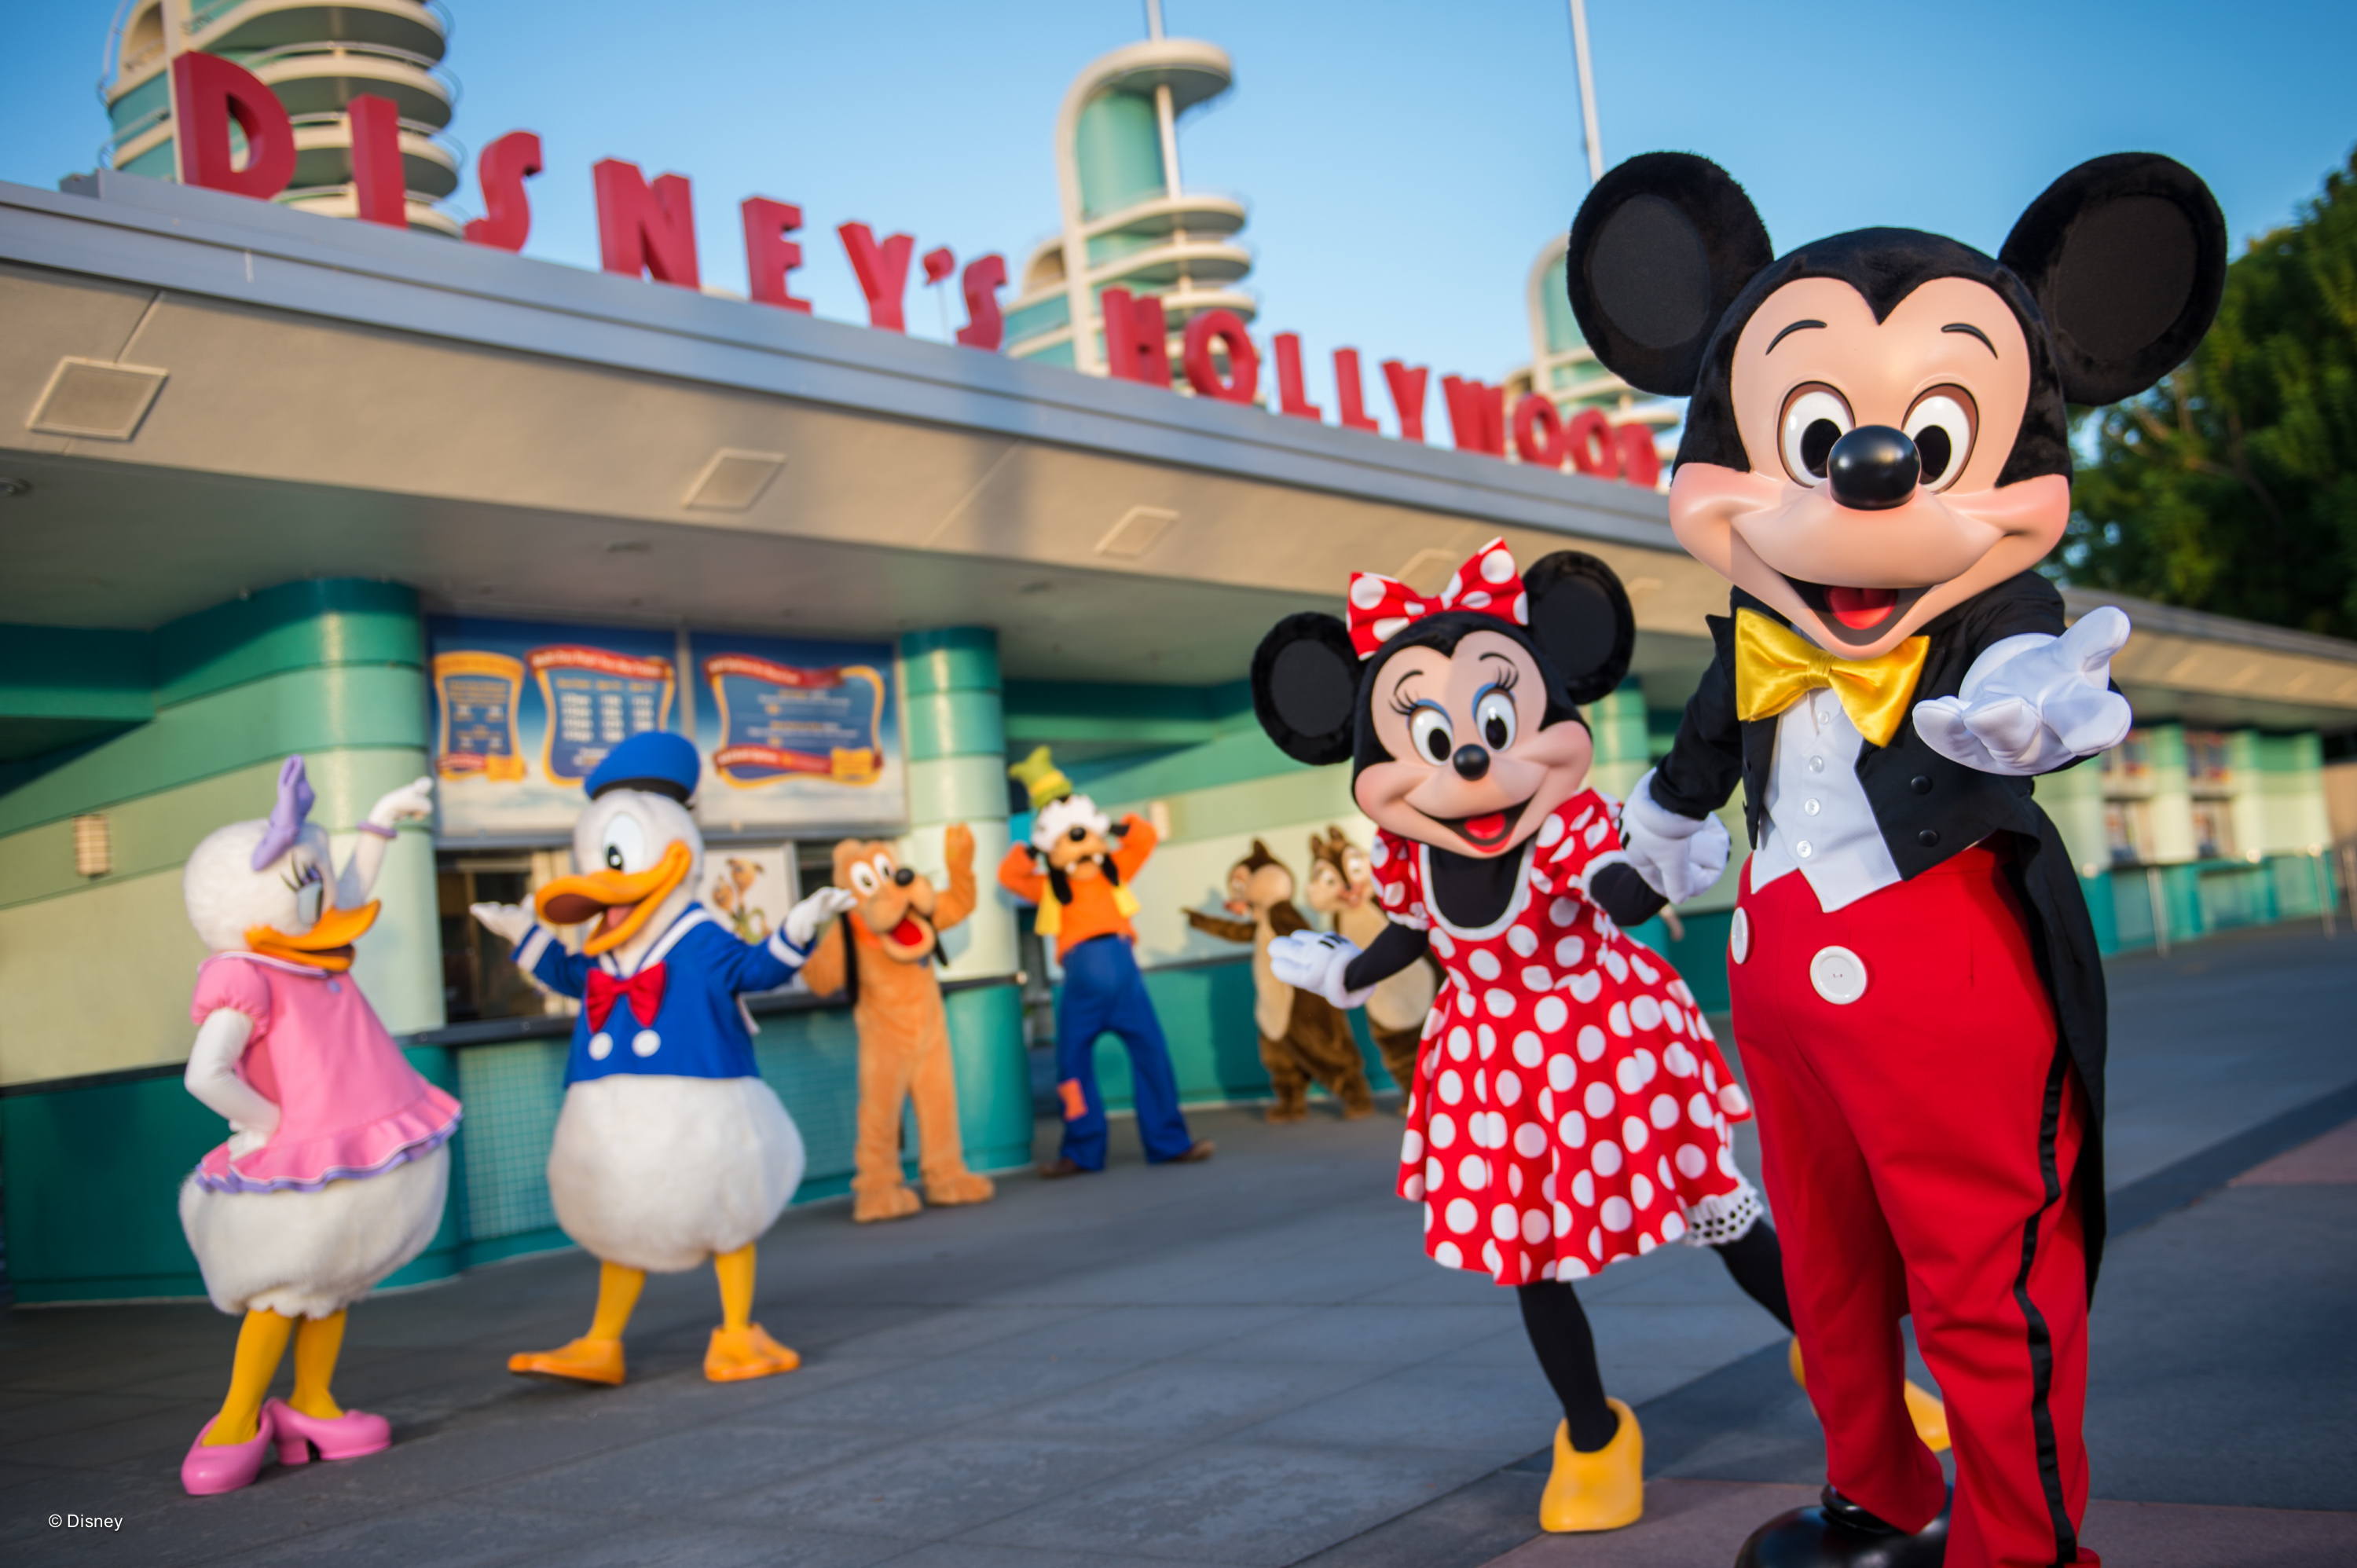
<point x="1104" y="993"/>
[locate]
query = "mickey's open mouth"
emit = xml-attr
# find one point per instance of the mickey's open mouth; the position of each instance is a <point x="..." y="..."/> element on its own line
<point x="1855" y="616"/>
<point x="1487" y="830"/>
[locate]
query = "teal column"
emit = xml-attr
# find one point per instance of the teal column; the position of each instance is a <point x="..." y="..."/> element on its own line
<point x="1616" y="722"/>
<point x="954" y="722"/>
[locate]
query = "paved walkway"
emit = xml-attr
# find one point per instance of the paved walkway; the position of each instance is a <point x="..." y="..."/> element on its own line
<point x="1248" y="1362"/>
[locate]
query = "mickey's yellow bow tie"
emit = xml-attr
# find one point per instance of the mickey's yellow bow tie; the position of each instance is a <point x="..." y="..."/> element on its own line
<point x="1776" y="666"/>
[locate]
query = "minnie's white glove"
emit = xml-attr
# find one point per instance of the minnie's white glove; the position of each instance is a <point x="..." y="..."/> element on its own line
<point x="1314" y="962"/>
<point x="805" y="918"/>
<point x="1677" y="856"/>
<point x="510" y="921"/>
<point x="2033" y="702"/>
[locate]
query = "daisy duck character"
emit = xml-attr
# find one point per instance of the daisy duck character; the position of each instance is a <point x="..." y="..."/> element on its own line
<point x="1568" y="1108"/>
<point x="336" y="1164"/>
<point x="1876" y="456"/>
<point x="670" y="1149"/>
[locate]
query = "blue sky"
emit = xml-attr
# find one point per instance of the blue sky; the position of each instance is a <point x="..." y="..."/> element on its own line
<point x="1403" y="161"/>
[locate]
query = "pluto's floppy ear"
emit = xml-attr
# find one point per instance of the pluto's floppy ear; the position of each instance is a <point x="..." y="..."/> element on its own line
<point x="2127" y="256"/>
<point x="1661" y="248"/>
<point x="1581" y="621"/>
<point x="1305" y="686"/>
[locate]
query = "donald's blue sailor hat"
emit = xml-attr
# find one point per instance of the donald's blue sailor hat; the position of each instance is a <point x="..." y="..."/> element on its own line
<point x="655" y="761"/>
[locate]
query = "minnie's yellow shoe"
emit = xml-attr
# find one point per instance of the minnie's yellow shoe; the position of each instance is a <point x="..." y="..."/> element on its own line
<point x="585" y="1360"/>
<point x="736" y="1355"/>
<point x="1603" y="1490"/>
<point x="1923" y="1407"/>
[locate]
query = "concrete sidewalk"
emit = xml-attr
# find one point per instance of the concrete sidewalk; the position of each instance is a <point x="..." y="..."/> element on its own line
<point x="1245" y="1363"/>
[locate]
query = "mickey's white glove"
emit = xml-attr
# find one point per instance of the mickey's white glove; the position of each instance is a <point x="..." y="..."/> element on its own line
<point x="1677" y="856"/>
<point x="805" y="918"/>
<point x="1314" y="962"/>
<point x="2032" y="703"/>
<point x="511" y="921"/>
<point x="411" y="801"/>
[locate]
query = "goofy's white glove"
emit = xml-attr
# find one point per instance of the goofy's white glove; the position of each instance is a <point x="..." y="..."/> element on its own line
<point x="2033" y="702"/>
<point x="805" y="918"/>
<point x="1314" y="962"/>
<point x="1677" y="856"/>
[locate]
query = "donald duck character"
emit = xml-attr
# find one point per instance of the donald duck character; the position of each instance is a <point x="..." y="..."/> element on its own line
<point x="336" y="1166"/>
<point x="670" y="1148"/>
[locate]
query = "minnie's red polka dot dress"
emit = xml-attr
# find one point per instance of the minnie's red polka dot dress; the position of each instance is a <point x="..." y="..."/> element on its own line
<point x="1570" y="1107"/>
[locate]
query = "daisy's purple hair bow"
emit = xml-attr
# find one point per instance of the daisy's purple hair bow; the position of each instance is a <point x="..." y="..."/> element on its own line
<point x="295" y="798"/>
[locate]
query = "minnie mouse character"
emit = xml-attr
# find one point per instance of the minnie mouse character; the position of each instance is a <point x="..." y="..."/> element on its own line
<point x="1876" y="457"/>
<point x="1568" y="1107"/>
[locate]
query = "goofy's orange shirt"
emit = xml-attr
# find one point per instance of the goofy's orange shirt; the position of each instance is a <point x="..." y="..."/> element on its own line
<point x="1096" y="909"/>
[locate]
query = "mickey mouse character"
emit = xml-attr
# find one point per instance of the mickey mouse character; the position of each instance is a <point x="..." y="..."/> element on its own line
<point x="1568" y="1107"/>
<point x="1876" y="457"/>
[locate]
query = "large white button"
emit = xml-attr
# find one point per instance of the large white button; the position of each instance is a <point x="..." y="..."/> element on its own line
<point x="1811" y="807"/>
<point x="1738" y="937"/>
<point x="1805" y="849"/>
<point x="646" y="1043"/>
<point x="1816" y="765"/>
<point x="1838" y="975"/>
<point x="601" y="1045"/>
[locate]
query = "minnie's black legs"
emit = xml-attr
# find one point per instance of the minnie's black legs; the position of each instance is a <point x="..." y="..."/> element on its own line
<point x="1567" y="1350"/>
<point x="1757" y="1261"/>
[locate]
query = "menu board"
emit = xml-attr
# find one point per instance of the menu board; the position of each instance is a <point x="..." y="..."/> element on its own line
<point x="796" y="732"/>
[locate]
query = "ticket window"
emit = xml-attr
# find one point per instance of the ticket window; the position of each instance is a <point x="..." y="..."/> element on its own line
<point x="479" y="979"/>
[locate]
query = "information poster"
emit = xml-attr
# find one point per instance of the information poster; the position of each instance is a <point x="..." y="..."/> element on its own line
<point x="524" y="713"/>
<point x="796" y="732"/>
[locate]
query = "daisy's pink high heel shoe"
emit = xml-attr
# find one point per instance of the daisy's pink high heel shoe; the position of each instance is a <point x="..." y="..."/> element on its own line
<point x="225" y="1468"/>
<point x="351" y="1435"/>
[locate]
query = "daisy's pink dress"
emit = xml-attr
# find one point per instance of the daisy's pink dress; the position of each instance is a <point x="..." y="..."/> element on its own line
<point x="1570" y="1107"/>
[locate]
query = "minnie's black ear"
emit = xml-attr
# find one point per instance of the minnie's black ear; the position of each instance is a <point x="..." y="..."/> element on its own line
<point x="2127" y="256"/>
<point x="1581" y="621"/>
<point x="1305" y="687"/>
<point x="1661" y="248"/>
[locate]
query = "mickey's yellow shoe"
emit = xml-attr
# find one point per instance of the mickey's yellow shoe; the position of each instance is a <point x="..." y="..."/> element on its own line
<point x="585" y="1360"/>
<point x="736" y="1355"/>
<point x="1603" y="1490"/>
<point x="1923" y="1407"/>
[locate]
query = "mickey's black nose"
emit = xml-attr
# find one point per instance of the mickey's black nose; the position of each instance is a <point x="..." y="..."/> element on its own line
<point x="1873" y="468"/>
<point x="1470" y="762"/>
<point x="904" y="877"/>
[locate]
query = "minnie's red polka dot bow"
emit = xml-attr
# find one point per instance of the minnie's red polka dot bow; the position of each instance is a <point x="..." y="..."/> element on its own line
<point x="1381" y="608"/>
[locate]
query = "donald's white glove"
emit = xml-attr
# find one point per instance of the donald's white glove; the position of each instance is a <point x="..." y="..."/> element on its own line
<point x="1677" y="856"/>
<point x="512" y="921"/>
<point x="1314" y="962"/>
<point x="805" y="918"/>
<point x="2032" y="703"/>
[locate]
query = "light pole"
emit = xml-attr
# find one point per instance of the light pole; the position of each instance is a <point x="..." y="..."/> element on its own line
<point x="1587" y="92"/>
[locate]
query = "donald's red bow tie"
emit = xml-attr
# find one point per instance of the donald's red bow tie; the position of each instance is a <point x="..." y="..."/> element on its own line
<point x="1488" y="584"/>
<point x="645" y="989"/>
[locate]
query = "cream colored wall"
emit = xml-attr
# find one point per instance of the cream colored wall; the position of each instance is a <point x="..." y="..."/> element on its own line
<point x="2074" y="799"/>
<point x="97" y="982"/>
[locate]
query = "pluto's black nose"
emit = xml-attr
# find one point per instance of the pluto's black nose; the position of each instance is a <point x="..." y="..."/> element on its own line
<point x="1470" y="762"/>
<point x="1873" y="468"/>
<point x="904" y="877"/>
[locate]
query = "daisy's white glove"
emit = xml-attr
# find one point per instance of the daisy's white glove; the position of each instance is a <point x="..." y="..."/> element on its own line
<point x="512" y="922"/>
<point x="411" y="801"/>
<point x="805" y="918"/>
<point x="2032" y="703"/>
<point x="1677" y="856"/>
<point x="1314" y="962"/>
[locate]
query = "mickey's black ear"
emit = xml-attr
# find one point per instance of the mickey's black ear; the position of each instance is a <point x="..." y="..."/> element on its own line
<point x="1305" y="686"/>
<point x="1581" y="621"/>
<point x="2127" y="256"/>
<point x="1661" y="248"/>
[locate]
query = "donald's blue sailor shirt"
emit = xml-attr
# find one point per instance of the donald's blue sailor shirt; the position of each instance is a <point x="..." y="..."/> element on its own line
<point x="699" y="1030"/>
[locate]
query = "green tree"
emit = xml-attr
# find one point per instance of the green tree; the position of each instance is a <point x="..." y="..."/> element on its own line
<point x="2232" y="485"/>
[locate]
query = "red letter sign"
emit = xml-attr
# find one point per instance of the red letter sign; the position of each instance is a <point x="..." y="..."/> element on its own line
<point x="641" y="229"/>
<point x="1640" y="460"/>
<point x="1290" y="397"/>
<point x="1589" y="437"/>
<point x="1407" y="397"/>
<point x="1477" y="414"/>
<point x="1137" y="338"/>
<point x="1348" y="392"/>
<point x="501" y="170"/>
<point x="768" y="255"/>
<point x="378" y="182"/>
<point x="985" y="328"/>
<point x="883" y="273"/>
<point x="1538" y="432"/>
<point x="1224" y="328"/>
<point x="208" y="92"/>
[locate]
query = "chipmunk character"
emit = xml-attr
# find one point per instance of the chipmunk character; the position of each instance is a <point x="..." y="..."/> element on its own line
<point x="1303" y="1037"/>
<point x="1073" y="871"/>
<point x="1342" y="887"/>
<point x="1569" y="1108"/>
<point x="1876" y="456"/>
<point x="882" y="953"/>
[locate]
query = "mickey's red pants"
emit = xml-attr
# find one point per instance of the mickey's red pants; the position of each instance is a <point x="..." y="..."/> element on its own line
<point x="1919" y="1143"/>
